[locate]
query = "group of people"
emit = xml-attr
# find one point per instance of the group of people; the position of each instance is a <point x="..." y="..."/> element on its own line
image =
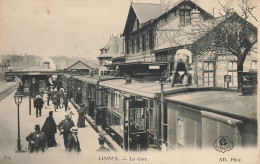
<point x="58" y="97"/>
<point x="44" y="138"/>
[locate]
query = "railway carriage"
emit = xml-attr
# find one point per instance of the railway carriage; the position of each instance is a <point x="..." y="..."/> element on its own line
<point x="141" y="115"/>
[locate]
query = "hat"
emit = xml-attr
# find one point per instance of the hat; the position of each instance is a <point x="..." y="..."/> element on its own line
<point x="37" y="127"/>
<point x="74" y="129"/>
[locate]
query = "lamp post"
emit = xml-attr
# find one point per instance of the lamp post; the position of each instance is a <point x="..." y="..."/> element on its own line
<point x="163" y="146"/>
<point x="18" y="97"/>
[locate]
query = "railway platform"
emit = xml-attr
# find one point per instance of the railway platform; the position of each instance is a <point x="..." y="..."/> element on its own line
<point x="88" y="137"/>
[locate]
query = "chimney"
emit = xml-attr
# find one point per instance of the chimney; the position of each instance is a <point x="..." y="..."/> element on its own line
<point x="162" y="6"/>
<point x="46" y="64"/>
<point x="195" y="16"/>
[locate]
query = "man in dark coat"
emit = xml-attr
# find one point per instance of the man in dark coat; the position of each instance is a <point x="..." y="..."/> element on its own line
<point x="81" y="119"/>
<point x="73" y="144"/>
<point x="65" y="126"/>
<point x="102" y="148"/>
<point x="37" y="140"/>
<point x="50" y="128"/>
<point x="38" y="104"/>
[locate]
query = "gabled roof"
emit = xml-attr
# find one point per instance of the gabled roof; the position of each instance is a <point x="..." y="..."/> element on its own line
<point x="79" y="65"/>
<point x="146" y="11"/>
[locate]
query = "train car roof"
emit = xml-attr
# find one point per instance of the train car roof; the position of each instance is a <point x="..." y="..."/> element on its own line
<point x="142" y="88"/>
<point x="94" y="79"/>
<point x="231" y="104"/>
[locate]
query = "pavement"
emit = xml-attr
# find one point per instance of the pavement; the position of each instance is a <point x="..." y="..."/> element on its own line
<point x="88" y="137"/>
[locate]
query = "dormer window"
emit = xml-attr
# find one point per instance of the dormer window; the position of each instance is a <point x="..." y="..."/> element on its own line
<point x="185" y="18"/>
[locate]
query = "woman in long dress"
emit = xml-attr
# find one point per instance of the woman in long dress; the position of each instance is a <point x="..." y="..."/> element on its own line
<point x="81" y="119"/>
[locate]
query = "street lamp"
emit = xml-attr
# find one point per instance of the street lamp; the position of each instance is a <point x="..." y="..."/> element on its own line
<point x="18" y="97"/>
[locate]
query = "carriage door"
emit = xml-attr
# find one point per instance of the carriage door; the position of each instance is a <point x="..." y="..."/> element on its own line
<point x="137" y="115"/>
<point x="100" y="107"/>
<point x="79" y="92"/>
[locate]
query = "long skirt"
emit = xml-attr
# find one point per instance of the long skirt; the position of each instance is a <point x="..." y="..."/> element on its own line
<point x="81" y="121"/>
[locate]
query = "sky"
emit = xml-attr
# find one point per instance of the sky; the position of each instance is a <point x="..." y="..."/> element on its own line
<point x="64" y="27"/>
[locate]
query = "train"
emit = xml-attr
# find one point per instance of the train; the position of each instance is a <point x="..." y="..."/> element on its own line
<point x="142" y="115"/>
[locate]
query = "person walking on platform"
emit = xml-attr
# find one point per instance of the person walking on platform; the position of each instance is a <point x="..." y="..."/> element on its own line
<point x="38" y="104"/>
<point x="50" y="128"/>
<point x="54" y="102"/>
<point x="73" y="144"/>
<point x="102" y="148"/>
<point x="65" y="101"/>
<point x="37" y="140"/>
<point x="65" y="126"/>
<point x="61" y="97"/>
<point x="49" y="97"/>
<point x="81" y="119"/>
<point x="45" y="99"/>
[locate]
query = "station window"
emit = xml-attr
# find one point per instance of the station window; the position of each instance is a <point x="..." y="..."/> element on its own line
<point x="133" y="45"/>
<point x="232" y="70"/>
<point x="185" y="18"/>
<point x="208" y="74"/>
<point x="180" y="132"/>
<point x="254" y="65"/>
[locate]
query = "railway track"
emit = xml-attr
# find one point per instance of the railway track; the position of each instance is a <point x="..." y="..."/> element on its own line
<point x="6" y="92"/>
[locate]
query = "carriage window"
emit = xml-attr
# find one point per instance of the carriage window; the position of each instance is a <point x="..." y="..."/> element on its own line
<point x="180" y="132"/>
<point x="137" y="116"/>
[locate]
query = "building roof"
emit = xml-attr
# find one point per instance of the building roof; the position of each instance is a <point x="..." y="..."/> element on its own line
<point x="146" y="11"/>
<point x="78" y="65"/>
<point x="34" y="70"/>
<point x="113" y="48"/>
<point x="231" y="104"/>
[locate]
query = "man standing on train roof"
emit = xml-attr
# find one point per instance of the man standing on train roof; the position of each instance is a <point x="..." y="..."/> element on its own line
<point x="65" y="126"/>
<point x="102" y="148"/>
<point x="182" y="61"/>
<point x="38" y="104"/>
<point x="37" y="140"/>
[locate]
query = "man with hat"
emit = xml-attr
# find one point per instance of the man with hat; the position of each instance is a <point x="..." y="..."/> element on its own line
<point x="50" y="128"/>
<point x="102" y="148"/>
<point x="65" y="126"/>
<point x="73" y="144"/>
<point x="38" y="104"/>
<point x="37" y="140"/>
